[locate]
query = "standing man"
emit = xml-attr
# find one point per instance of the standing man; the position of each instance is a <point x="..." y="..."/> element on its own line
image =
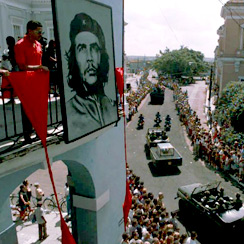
<point x="28" y="56"/>
<point x="23" y="201"/>
<point x="67" y="196"/>
<point x="88" y="63"/>
<point x="41" y="222"/>
<point x="192" y="239"/>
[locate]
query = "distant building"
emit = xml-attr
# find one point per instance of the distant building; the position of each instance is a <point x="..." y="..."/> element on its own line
<point x="229" y="54"/>
<point x="135" y="64"/>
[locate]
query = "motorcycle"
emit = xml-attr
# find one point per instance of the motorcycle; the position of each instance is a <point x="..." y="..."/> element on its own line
<point x="157" y="122"/>
<point x="140" y="123"/>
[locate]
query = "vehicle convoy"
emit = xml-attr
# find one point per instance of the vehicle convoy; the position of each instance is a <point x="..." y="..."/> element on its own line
<point x="208" y="204"/>
<point x="164" y="155"/>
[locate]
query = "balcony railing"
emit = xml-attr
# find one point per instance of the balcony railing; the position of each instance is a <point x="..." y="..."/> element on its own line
<point x="11" y="129"/>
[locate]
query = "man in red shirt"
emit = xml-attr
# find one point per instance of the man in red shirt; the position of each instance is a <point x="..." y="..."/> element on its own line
<point x="28" y="56"/>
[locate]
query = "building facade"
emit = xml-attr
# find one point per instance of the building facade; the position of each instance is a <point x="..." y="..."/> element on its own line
<point x="96" y="163"/>
<point x="229" y="54"/>
<point x="16" y="14"/>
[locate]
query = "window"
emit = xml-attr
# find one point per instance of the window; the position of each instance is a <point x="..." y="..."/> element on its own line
<point x="17" y="32"/>
<point x="51" y="34"/>
<point x="50" y="30"/>
<point x="242" y="38"/>
<point x="241" y="78"/>
<point x="17" y="27"/>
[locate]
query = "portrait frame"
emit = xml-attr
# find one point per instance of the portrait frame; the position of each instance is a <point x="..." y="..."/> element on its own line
<point x="73" y="116"/>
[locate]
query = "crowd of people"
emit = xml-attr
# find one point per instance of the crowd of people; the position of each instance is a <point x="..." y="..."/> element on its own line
<point x="207" y="141"/>
<point x="149" y="222"/>
<point x="135" y="98"/>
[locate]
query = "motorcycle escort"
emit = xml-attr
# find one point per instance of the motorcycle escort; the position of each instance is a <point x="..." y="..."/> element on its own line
<point x="140" y="123"/>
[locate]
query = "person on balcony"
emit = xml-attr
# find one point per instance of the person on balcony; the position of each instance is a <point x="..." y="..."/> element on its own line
<point x="28" y="56"/>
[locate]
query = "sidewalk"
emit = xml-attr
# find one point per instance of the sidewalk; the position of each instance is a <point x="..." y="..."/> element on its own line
<point x="202" y="113"/>
<point x="27" y="232"/>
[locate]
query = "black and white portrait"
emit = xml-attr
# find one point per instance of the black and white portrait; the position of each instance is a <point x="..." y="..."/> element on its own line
<point x="87" y="67"/>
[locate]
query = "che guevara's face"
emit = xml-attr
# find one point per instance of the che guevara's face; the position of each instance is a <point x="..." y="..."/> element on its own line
<point x="88" y="55"/>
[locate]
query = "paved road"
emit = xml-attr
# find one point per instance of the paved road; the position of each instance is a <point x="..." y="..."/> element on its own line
<point x="156" y="180"/>
<point x="197" y="99"/>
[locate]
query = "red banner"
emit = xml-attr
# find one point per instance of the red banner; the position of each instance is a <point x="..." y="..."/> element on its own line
<point x="119" y="72"/>
<point x="127" y="203"/>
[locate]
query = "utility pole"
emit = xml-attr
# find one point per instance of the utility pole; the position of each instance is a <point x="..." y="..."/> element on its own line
<point x="210" y="87"/>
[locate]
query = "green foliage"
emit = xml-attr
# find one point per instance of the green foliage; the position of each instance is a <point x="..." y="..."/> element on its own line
<point x="231" y="103"/>
<point x="230" y="109"/>
<point x="230" y="136"/>
<point x="182" y="62"/>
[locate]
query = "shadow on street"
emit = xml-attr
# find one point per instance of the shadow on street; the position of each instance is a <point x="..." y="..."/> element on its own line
<point x="163" y="171"/>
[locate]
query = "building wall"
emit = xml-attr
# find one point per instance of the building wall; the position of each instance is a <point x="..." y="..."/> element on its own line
<point x="230" y="52"/>
<point x="19" y="13"/>
<point x="96" y="163"/>
<point x="232" y="73"/>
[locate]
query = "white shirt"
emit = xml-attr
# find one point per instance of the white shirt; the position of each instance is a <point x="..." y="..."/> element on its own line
<point x="39" y="214"/>
<point x="39" y="193"/>
<point x="190" y="241"/>
<point x="66" y="191"/>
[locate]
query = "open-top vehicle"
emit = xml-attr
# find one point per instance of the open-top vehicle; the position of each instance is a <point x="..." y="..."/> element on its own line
<point x="164" y="154"/>
<point x="208" y="204"/>
<point x="155" y="136"/>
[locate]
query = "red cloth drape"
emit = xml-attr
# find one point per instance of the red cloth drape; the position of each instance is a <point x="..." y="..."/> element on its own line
<point x="32" y="88"/>
<point x="119" y="73"/>
<point x="127" y="203"/>
<point x="128" y="199"/>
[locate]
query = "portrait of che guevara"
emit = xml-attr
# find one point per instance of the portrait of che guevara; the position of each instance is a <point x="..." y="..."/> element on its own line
<point x="89" y="108"/>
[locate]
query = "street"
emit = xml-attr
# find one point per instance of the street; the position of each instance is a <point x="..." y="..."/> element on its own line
<point x="156" y="179"/>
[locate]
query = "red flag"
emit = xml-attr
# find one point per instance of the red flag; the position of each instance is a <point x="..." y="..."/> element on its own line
<point x="67" y="238"/>
<point x="119" y="72"/>
<point x="127" y="203"/>
<point x="32" y="88"/>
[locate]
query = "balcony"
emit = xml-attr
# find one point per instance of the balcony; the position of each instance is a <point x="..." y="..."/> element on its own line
<point x="11" y="130"/>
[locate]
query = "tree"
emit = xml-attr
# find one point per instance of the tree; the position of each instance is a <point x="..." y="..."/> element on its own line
<point x="182" y="62"/>
<point x="231" y="107"/>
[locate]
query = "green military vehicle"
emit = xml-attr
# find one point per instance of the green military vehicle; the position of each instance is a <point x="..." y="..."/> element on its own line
<point x="164" y="155"/>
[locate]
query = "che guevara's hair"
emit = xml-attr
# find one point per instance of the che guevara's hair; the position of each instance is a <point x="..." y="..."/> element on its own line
<point x="83" y="22"/>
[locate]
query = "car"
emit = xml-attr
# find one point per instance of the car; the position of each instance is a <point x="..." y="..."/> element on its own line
<point x="164" y="155"/>
<point x="216" y="211"/>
